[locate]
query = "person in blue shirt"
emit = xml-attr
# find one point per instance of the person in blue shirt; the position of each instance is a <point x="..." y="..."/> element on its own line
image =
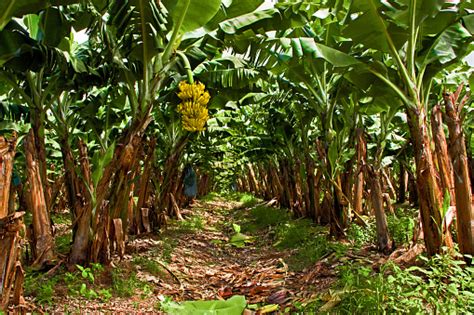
<point x="190" y="184"/>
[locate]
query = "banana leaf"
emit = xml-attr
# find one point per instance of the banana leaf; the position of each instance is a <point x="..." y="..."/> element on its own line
<point x="233" y="306"/>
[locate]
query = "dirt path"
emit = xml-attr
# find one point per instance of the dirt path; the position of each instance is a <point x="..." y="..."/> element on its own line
<point x="209" y="267"/>
<point x="194" y="260"/>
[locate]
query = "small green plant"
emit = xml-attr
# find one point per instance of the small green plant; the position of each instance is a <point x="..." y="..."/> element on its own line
<point x="81" y="282"/>
<point x="295" y="232"/>
<point x="401" y="227"/>
<point x="191" y="224"/>
<point x="360" y="235"/>
<point x="45" y="291"/>
<point x="42" y="288"/>
<point x="169" y="244"/>
<point x="239" y="239"/>
<point x="86" y="273"/>
<point x="444" y="285"/>
<point x="124" y="283"/>
<point x="262" y="217"/>
<point x="63" y="243"/>
<point x="248" y="200"/>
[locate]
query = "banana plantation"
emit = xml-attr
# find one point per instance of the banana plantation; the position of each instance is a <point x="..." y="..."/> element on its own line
<point x="236" y="156"/>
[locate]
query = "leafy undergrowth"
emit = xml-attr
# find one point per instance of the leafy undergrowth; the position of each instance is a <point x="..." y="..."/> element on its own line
<point x="439" y="285"/>
<point x="234" y="245"/>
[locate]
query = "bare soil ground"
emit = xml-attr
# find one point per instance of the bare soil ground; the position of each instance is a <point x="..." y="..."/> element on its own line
<point x="194" y="260"/>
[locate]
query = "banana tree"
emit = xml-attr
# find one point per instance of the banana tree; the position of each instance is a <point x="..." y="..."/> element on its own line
<point x="29" y="58"/>
<point x="419" y="39"/>
<point x="411" y="42"/>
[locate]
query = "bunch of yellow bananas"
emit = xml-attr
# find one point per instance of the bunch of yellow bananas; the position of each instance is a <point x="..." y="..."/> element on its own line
<point x="193" y="108"/>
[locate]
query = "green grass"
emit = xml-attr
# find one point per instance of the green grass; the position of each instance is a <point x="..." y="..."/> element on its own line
<point x="210" y="197"/>
<point x="125" y="283"/>
<point x="248" y="200"/>
<point x="39" y="286"/>
<point x="63" y="243"/>
<point x="308" y="240"/>
<point x="61" y="218"/>
<point x="149" y="265"/>
<point x="191" y="224"/>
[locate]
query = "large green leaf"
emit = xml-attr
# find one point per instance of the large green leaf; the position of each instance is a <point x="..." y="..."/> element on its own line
<point x="233" y="306"/>
<point x="54" y="26"/>
<point x="368" y="28"/>
<point x="231" y="9"/>
<point x="445" y="47"/>
<point x="307" y="46"/>
<point x="234" y="25"/>
<point x="196" y="13"/>
<point x="139" y="27"/>
<point x="18" y="8"/>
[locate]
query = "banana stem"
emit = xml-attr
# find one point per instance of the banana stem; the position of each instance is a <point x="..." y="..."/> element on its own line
<point x="187" y="66"/>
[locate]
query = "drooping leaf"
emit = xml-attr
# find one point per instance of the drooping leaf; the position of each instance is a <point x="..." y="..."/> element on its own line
<point x="18" y="8"/>
<point x="197" y="13"/>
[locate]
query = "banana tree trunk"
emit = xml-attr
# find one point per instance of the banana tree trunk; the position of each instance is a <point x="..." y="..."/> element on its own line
<point x="412" y="190"/>
<point x="144" y="190"/>
<point x="43" y="238"/>
<point x="402" y="184"/>
<point x="170" y="174"/>
<point x="359" y="180"/>
<point x="285" y="181"/>
<point x="267" y="188"/>
<point x="387" y="180"/>
<point x="462" y="183"/>
<point x="429" y="194"/>
<point x="11" y="272"/>
<point x="37" y="122"/>
<point x="113" y="190"/>
<point x="312" y="207"/>
<point x="7" y="154"/>
<point x="337" y="215"/>
<point x="278" y="186"/>
<point x="441" y="148"/>
<point x="299" y="188"/>
<point x="470" y="160"/>
<point x="383" y="238"/>
<point x="82" y="209"/>
<point x="253" y="180"/>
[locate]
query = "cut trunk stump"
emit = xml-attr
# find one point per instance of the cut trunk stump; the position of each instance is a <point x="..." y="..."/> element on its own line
<point x="11" y="272"/>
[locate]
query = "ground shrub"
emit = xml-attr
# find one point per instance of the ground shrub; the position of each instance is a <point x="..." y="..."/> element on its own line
<point x="264" y="217"/>
<point x="401" y="225"/>
<point x="443" y="285"/>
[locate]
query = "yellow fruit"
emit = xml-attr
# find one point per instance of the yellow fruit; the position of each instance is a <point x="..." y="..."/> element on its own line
<point x="193" y="110"/>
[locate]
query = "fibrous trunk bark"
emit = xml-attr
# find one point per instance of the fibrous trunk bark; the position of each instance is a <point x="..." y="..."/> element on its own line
<point x="43" y="238"/>
<point x="383" y="238"/>
<point x="40" y="147"/>
<point x="82" y="208"/>
<point x="429" y="194"/>
<point x="402" y="184"/>
<point x="7" y="154"/>
<point x="462" y="184"/>
<point x="11" y="272"/>
<point x="139" y="222"/>
<point x="113" y="190"/>
<point x="359" y="180"/>
<point x="441" y="149"/>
